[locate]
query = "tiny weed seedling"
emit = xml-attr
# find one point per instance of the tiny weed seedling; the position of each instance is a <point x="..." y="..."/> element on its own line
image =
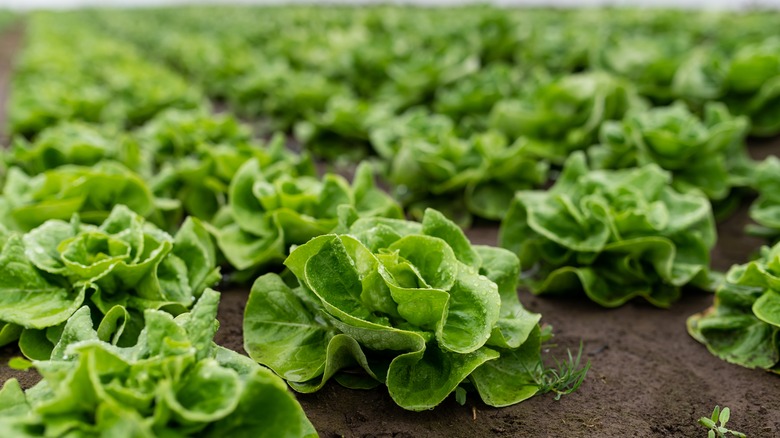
<point x="719" y="430"/>
<point x="563" y="378"/>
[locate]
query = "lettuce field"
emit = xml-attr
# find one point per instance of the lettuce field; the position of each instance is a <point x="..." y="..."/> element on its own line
<point x="389" y="221"/>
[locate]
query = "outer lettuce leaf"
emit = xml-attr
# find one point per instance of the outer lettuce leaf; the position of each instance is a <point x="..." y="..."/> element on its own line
<point x="291" y="329"/>
<point x="509" y="379"/>
<point x="269" y="211"/>
<point x="120" y="268"/>
<point x="174" y="380"/>
<point x="412" y="306"/>
<point x="30" y="298"/>
<point x="515" y="323"/>
<point x="707" y="154"/>
<point x="614" y="234"/>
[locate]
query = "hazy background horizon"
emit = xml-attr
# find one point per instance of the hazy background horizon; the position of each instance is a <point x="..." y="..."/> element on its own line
<point x="694" y="4"/>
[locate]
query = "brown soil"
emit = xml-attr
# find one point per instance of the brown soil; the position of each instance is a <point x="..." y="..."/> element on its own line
<point x="648" y="377"/>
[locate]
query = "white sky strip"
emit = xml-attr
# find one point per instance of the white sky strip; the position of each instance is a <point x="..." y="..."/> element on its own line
<point x="694" y="4"/>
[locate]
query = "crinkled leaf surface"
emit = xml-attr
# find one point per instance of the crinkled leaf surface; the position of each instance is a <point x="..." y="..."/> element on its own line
<point x="30" y="298"/>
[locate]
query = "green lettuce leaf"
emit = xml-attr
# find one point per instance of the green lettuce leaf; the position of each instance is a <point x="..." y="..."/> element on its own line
<point x="31" y="298"/>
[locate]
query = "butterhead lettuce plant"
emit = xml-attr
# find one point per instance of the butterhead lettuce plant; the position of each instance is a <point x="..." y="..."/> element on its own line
<point x="565" y="114"/>
<point x="342" y="129"/>
<point x="464" y="176"/>
<point x="708" y="153"/>
<point x="742" y="325"/>
<point x="416" y="123"/>
<point x="118" y="268"/>
<point x="269" y="210"/>
<point x="614" y="234"/>
<point x="173" y="382"/>
<point x="751" y="85"/>
<point x="413" y="306"/>
<point x="89" y="191"/>
<point x="76" y="143"/>
<point x="649" y="61"/>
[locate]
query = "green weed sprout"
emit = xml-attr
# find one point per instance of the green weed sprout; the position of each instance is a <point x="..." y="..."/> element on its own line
<point x="720" y="431"/>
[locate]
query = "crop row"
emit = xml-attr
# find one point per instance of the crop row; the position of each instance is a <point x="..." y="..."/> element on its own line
<point x="481" y="101"/>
